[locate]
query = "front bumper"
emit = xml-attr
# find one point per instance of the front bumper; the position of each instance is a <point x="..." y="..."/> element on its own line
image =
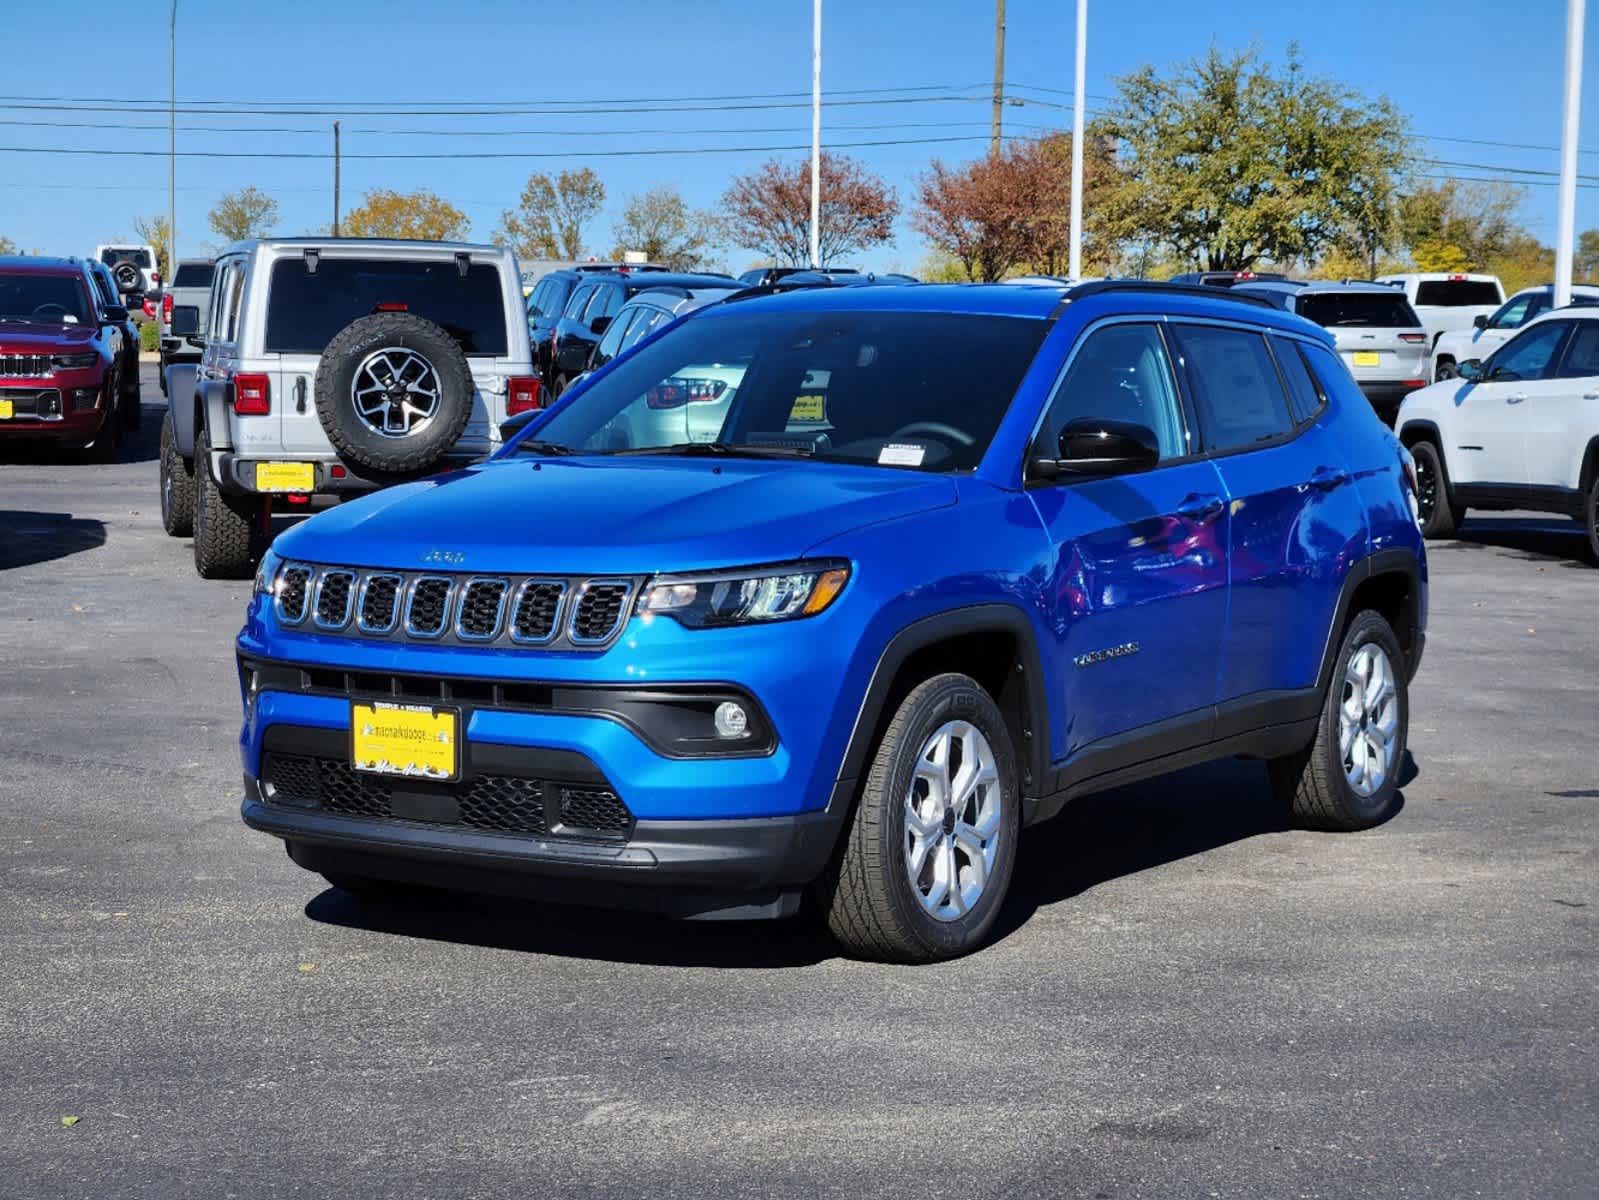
<point x="52" y="409"/>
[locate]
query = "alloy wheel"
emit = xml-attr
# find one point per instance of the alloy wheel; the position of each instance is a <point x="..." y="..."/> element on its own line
<point x="952" y="820"/>
<point x="395" y="392"/>
<point x="1368" y="719"/>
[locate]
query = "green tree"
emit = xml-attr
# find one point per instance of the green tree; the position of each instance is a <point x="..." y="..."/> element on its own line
<point x="549" y="219"/>
<point x="1456" y="225"/>
<point x="154" y="231"/>
<point x="1587" y="260"/>
<point x="1231" y="161"/>
<point x="420" y="215"/>
<point x="246" y="213"/>
<point x="7" y="246"/>
<point x="659" y="223"/>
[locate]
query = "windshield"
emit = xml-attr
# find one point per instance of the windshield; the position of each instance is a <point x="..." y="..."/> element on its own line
<point x="306" y="309"/>
<point x="1456" y="293"/>
<point x="924" y="391"/>
<point x="1373" y="310"/>
<point x="50" y="299"/>
<point x="139" y="258"/>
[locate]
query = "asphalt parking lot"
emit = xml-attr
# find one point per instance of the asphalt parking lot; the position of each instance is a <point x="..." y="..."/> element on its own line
<point x="1186" y="998"/>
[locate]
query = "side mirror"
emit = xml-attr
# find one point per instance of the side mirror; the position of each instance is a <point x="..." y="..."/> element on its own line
<point x="1092" y="446"/>
<point x="185" y="320"/>
<point x="115" y="314"/>
<point x="1470" y="370"/>
<point x="1479" y="321"/>
<point x="599" y="325"/>
<point x="513" y="425"/>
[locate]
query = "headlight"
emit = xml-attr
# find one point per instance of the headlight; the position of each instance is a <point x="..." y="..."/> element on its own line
<point x="747" y="596"/>
<point x="266" y="575"/>
<point x="75" y="361"/>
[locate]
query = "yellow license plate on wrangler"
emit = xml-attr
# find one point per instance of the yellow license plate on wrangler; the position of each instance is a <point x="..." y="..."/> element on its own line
<point x="7" y="410"/>
<point x="414" y="740"/>
<point x="1367" y="358"/>
<point x="285" y="477"/>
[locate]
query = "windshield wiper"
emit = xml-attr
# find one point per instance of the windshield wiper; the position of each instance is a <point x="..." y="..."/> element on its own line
<point x="731" y="449"/>
<point x="554" y="449"/>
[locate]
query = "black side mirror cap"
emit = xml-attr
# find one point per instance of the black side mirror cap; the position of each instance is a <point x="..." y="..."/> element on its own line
<point x="1479" y="321"/>
<point x="1094" y="446"/>
<point x="115" y="314"/>
<point x="515" y="423"/>
<point x="599" y="325"/>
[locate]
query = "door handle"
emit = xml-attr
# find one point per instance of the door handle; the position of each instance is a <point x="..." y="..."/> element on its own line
<point x="1516" y="399"/>
<point x="1201" y="510"/>
<point x="1324" y="479"/>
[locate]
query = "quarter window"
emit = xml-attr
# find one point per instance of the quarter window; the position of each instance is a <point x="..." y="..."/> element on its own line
<point x="1235" y="386"/>
<point x="1529" y="355"/>
<point x="1120" y="373"/>
<point x="1304" y="401"/>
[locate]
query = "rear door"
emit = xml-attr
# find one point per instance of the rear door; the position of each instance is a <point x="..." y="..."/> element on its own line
<point x="1491" y="415"/>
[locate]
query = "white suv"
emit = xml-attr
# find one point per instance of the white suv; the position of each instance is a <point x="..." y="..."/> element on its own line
<point x="1489" y="333"/>
<point x="335" y="366"/>
<point x="133" y="267"/>
<point x="1446" y="302"/>
<point x="1517" y="430"/>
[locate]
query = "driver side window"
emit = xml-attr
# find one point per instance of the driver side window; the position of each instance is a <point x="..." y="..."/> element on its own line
<point x="1120" y="373"/>
<point x="1528" y="356"/>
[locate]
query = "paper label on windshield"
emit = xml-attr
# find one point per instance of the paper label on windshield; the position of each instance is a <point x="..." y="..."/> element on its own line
<point x="898" y="454"/>
<point x="808" y="408"/>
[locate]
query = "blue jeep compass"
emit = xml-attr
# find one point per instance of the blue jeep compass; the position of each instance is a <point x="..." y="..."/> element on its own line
<point x="838" y="591"/>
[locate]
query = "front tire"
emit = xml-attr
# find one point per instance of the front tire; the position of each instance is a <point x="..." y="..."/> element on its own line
<point x="1348" y="777"/>
<point x="226" y="537"/>
<point x="1438" y="515"/>
<point x="1590" y="519"/>
<point x="177" y="484"/>
<point x="928" y="854"/>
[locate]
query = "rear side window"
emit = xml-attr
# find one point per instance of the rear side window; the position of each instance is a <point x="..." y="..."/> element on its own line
<point x="1582" y="356"/>
<point x="643" y="326"/>
<point x="578" y="302"/>
<point x="1367" y="310"/>
<point x="611" y="344"/>
<point x="607" y="301"/>
<point x="234" y="297"/>
<point x="1304" y="400"/>
<point x="1235" y="386"/>
<point x="306" y="310"/>
<point x="195" y="275"/>
<point x="1456" y="293"/>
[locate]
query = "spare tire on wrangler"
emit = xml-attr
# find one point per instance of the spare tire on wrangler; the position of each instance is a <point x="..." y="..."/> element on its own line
<point x="394" y="392"/>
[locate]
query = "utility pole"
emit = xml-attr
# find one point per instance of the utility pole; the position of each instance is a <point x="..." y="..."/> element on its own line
<point x="999" y="74"/>
<point x="335" y="179"/>
<point x="816" y="134"/>
<point x="1075" y="269"/>
<point x="1564" y="251"/>
<point x="172" y="145"/>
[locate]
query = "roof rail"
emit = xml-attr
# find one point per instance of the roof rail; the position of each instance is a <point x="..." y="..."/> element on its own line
<point x="1100" y="287"/>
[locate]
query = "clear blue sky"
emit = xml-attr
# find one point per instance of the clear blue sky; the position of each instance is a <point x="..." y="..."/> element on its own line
<point x="1460" y="68"/>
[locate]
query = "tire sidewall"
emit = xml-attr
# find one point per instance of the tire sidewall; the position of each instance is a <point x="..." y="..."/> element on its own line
<point x="1368" y="628"/>
<point x="335" y="407"/>
<point x="1433" y="526"/>
<point x="1590" y="519"/>
<point x="955" y="701"/>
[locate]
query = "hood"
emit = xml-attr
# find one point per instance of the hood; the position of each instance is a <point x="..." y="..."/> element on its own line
<point x="36" y="337"/>
<point x="611" y="516"/>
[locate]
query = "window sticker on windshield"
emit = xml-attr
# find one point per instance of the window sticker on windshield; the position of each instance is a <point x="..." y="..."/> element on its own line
<point x="898" y="454"/>
<point x="809" y="408"/>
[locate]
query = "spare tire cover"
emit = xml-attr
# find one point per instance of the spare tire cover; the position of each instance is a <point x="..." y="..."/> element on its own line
<point x="127" y="276"/>
<point x="393" y="392"/>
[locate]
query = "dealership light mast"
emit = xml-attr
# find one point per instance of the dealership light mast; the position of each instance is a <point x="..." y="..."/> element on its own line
<point x="816" y="134"/>
<point x="1075" y="267"/>
<point x="172" y="145"/>
<point x="1575" y="11"/>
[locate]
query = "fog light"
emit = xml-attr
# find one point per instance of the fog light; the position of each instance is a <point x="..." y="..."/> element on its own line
<point x="84" y="399"/>
<point x="731" y="720"/>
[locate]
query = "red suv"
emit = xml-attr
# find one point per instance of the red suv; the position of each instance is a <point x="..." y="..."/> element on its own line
<point x="59" y="367"/>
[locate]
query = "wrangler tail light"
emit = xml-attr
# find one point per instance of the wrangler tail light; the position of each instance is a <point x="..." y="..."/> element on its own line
<point x="523" y="393"/>
<point x="166" y="308"/>
<point x="252" y="395"/>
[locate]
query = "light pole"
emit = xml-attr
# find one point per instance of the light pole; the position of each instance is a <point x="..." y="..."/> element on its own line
<point x="816" y="135"/>
<point x="1075" y="267"/>
<point x="172" y="144"/>
<point x="1575" y="11"/>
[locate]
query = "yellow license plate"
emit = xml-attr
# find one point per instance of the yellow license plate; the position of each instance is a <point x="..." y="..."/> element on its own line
<point x="285" y="477"/>
<point x="7" y="410"/>
<point x="809" y="408"/>
<point x="1367" y="358"/>
<point x="414" y="740"/>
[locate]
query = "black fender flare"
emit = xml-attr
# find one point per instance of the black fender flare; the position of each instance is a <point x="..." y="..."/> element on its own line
<point x="181" y="382"/>
<point x="214" y="399"/>
<point x="1395" y="561"/>
<point x="1033" y="753"/>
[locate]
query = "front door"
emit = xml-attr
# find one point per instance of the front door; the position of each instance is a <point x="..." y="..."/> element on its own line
<point x="1490" y="423"/>
<point x="1138" y="583"/>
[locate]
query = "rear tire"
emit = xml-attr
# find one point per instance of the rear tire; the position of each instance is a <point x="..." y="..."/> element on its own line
<point x="1438" y="516"/>
<point x="227" y="541"/>
<point x="177" y="484"/>
<point x="928" y="854"/>
<point x="1348" y="777"/>
<point x="104" y="447"/>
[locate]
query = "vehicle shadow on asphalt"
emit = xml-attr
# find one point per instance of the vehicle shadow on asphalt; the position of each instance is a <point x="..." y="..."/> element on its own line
<point x="1110" y="835"/>
<point x="139" y="445"/>
<point x="1529" y="539"/>
<point x="28" y="538"/>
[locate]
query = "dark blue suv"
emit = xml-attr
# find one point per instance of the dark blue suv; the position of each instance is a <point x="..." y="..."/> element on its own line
<point x="836" y="591"/>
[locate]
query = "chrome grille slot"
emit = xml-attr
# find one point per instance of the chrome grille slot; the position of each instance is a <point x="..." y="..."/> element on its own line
<point x="600" y="609"/>
<point x="334" y="591"/>
<point x="25" y="366"/>
<point x="538" y="608"/>
<point x="482" y="605"/>
<point x="293" y="588"/>
<point x="379" y="609"/>
<point x="429" y="607"/>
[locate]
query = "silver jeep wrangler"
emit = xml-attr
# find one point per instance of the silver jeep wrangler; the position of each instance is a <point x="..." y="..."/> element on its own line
<point x="335" y="366"/>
